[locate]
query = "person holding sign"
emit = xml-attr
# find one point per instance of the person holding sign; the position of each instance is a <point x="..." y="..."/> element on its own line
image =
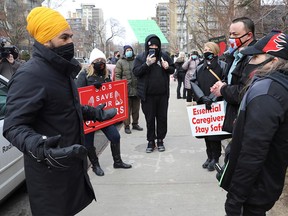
<point x="96" y="74"/>
<point x="255" y="173"/>
<point x="152" y="69"/>
<point x="205" y="76"/>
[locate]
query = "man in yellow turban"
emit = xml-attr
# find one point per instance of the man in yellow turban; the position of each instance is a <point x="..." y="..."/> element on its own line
<point x="44" y="119"/>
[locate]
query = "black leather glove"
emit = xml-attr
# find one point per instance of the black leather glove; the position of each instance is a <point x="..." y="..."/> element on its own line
<point x="97" y="84"/>
<point x="50" y="152"/>
<point x="207" y="101"/>
<point x="97" y="113"/>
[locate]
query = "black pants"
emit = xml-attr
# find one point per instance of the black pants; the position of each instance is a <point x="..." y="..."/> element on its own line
<point x="155" y="109"/>
<point x="213" y="149"/>
<point x="189" y="95"/>
<point x="180" y="79"/>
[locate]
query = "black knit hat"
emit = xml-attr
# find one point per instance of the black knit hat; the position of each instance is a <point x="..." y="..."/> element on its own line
<point x="155" y="41"/>
<point x="275" y="44"/>
<point x="126" y="47"/>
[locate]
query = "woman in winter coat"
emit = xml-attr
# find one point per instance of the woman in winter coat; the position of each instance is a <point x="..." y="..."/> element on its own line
<point x="96" y="74"/>
<point x="255" y="174"/>
<point x="203" y="79"/>
<point x="190" y="66"/>
<point x="180" y="74"/>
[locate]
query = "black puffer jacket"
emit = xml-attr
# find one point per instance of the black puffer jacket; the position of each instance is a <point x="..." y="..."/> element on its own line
<point x="43" y="100"/>
<point x="259" y="151"/>
<point x="144" y="73"/>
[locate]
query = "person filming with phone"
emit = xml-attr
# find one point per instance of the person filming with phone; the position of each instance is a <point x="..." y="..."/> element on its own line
<point x="152" y="69"/>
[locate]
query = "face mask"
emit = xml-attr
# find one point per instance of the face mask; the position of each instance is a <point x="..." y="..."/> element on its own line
<point x="66" y="51"/>
<point x="208" y="55"/>
<point x="251" y="68"/>
<point x="194" y="57"/>
<point x="236" y="43"/>
<point x="129" y="53"/>
<point x="99" y="67"/>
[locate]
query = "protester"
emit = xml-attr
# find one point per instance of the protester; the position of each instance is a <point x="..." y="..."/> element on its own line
<point x="179" y="74"/>
<point x="115" y="58"/>
<point x="96" y="75"/>
<point x="44" y="119"/>
<point x="153" y="69"/>
<point x="124" y="71"/>
<point x="255" y="174"/>
<point x="206" y="74"/>
<point x="241" y="35"/>
<point x="190" y="65"/>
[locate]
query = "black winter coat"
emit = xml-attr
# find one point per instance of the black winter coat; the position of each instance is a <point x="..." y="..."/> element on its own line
<point x="43" y="100"/>
<point x="258" y="158"/>
<point x="142" y="71"/>
<point x="233" y="93"/>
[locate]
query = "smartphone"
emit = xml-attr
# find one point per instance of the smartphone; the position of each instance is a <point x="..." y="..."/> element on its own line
<point x="151" y="52"/>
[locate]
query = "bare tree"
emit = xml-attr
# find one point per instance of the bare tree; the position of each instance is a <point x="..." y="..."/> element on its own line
<point x="115" y="30"/>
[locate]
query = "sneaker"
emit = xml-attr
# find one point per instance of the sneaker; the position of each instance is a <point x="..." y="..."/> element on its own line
<point x="151" y="146"/>
<point x="205" y="165"/>
<point x="160" y="145"/>
<point x="127" y="130"/>
<point x="137" y="127"/>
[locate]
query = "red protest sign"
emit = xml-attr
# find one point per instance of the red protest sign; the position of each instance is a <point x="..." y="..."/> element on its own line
<point x="207" y="122"/>
<point x="114" y="94"/>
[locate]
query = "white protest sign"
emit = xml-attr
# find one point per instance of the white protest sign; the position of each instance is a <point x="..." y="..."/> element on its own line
<point x="207" y="122"/>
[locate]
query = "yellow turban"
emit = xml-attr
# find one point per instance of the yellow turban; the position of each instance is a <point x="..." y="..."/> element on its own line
<point x="44" y="24"/>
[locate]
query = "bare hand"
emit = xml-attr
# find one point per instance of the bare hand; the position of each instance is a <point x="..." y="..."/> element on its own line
<point x="164" y="63"/>
<point x="10" y="59"/>
<point x="215" y="89"/>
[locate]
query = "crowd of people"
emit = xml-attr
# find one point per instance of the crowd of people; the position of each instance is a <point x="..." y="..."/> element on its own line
<point x="251" y="78"/>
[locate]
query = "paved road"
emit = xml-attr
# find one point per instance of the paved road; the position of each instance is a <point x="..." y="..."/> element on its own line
<point x="168" y="183"/>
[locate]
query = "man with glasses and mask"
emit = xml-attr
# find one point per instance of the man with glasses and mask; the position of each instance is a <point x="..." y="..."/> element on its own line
<point x="241" y="35"/>
<point x="44" y="119"/>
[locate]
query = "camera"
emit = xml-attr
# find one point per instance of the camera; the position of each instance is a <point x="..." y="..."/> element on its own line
<point x="5" y="51"/>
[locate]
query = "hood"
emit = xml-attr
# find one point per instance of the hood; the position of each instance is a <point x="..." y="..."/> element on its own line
<point x="281" y="77"/>
<point x="148" y="38"/>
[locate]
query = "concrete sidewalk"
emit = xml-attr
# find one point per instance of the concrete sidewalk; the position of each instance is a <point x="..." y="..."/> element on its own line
<point x="159" y="184"/>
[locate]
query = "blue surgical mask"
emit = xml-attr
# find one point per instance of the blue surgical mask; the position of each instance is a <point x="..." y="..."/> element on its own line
<point x="194" y="57"/>
<point x="129" y="53"/>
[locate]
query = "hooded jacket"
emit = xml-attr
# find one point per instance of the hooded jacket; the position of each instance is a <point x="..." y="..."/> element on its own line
<point x="258" y="161"/>
<point x="43" y="100"/>
<point x="124" y="69"/>
<point x="145" y="74"/>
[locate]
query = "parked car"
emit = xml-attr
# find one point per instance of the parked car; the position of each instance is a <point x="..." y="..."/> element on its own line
<point x="11" y="159"/>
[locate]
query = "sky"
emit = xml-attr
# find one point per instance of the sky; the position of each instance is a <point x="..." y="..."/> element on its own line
<point x="122" y="10"/>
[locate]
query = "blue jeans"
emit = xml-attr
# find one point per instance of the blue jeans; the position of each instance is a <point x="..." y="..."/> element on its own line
<point x="110" y="132"/>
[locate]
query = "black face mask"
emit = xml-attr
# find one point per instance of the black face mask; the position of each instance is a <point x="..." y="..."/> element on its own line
<point x="251" y="68"/>
<point x="99" y="68"/>
<point x="208" y="55"/>
<point x="66" y="51"/>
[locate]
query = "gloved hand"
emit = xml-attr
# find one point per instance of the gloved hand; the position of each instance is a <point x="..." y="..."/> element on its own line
<point x="207" y="101"/>
<point x="97" y="113"/>
<point x="97" y="84"/>
<point x="55" y="156"/>
<point x="150" y="61"/>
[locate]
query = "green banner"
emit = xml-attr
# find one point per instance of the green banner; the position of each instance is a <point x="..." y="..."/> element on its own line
<point x="143" y="28"/>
